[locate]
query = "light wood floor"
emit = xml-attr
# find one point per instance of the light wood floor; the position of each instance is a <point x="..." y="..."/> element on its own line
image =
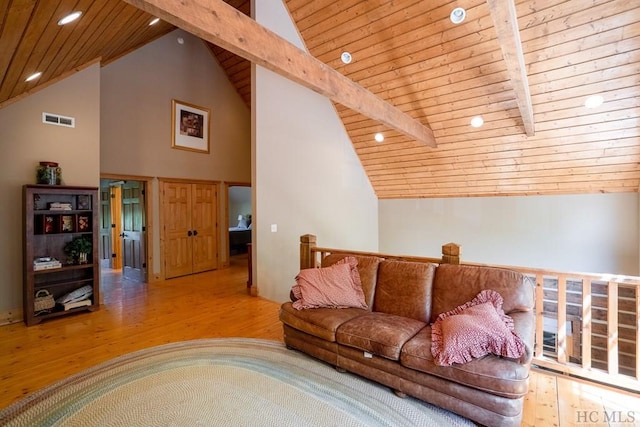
<point x="215" y="304"/>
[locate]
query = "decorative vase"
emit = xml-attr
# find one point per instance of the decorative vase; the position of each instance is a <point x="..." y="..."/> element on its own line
<point x="48" y="173"/>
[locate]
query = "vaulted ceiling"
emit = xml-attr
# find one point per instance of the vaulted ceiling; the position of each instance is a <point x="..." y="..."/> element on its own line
<point x="410" y="54"/>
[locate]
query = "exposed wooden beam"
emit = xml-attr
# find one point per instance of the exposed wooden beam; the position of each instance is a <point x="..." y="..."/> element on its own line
<point x="503" y="13"/>
<point x="225" y="26"/>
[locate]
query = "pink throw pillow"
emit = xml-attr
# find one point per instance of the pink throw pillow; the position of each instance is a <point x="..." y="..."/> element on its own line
<point x="337" y="286"/>
<point x="475" y="329"/>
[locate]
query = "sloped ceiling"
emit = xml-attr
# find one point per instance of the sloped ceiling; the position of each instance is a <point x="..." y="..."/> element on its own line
<point x="410" y="54"/>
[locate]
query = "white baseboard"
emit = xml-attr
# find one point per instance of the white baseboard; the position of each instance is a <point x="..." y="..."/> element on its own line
<point x="11" y="316"/>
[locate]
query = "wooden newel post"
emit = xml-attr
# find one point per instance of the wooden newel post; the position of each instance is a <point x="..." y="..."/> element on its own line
<point x="307" y="258"/>
<point x="451" y="253"/>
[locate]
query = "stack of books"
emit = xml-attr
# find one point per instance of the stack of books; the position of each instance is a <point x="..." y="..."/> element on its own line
<point x="46" y="263"/>
<point x="59" y="206"/>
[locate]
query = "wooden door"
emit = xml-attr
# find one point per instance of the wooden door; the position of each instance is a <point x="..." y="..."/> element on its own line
<point x="203" y="223"/>
<point x="176" y="208"/>
<point x="133" y="228"/>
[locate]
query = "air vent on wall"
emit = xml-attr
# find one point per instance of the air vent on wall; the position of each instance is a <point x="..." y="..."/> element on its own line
<point x="57" y="119"/>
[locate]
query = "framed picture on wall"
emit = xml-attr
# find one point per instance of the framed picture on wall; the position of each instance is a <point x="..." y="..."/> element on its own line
<point x="190" y="127"/>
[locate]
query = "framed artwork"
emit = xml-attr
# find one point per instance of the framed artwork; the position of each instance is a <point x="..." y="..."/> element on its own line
<point x="48" y="225"/>
<point x="84" y="202"/>
<point x="67" y="223"/>
<point x="84" y="223"/>
<point x="190" y="127"/>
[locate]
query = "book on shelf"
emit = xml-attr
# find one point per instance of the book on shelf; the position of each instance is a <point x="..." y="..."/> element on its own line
<point x="60" y="206"/>
<point x="46" y="263"/>
<point x="75" y="304"/>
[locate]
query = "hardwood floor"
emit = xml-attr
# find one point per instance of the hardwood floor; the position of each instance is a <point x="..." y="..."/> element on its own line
<point x="215" y="304"/>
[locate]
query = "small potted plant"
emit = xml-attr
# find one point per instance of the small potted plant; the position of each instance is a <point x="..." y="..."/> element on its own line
<point x="78" y="249"/>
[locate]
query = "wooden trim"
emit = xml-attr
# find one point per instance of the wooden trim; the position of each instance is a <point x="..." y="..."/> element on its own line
<point x="148" y="211"/>
<point x="225" y="26"/>
<point x="189" y="181"/>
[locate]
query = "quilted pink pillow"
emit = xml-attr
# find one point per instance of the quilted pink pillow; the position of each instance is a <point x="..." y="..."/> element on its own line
<point x="337" y="286"/>
<point x="475" y="329"/>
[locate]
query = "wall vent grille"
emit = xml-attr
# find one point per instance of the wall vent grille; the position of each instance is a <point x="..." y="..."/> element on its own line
<point x="58" y="120"/>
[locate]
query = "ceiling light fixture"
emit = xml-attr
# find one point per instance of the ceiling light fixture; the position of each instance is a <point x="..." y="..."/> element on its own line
<point x="457" y="15"/>
<point x="477" y="121"/>
<point x="594" y="101"/>
<point x="33" y="76"/>
<point x="154" y="21"/>
<point x="379" y="137"/>
<point x="346" y="57"/>
<point x="70" y="18"/>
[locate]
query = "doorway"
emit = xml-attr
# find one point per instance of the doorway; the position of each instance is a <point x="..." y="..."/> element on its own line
<point x="123" y="228"/>
<point x="239" y="220"/>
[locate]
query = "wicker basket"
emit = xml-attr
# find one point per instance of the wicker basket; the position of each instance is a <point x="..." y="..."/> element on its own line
<point x="43" y="301"/>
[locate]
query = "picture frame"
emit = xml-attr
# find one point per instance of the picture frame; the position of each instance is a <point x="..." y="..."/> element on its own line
<point x="190" y="127"/>
<point x="84" y="223"/>
<point x="48" y="224"/>
<point x="67" y="223"/>
<point x="83" y="202"/>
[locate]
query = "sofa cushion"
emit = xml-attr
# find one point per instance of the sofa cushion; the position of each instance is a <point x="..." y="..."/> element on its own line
<point x="337" y="286"/>
<point x="500" y="376"/>
<point x="368" y="269"/>
<point x="473" y="330"/>
<point x="381" y="334"/>
<point x="319" y="322"/>
<point x="404" y="289"/>
<point x="454" y="285"/>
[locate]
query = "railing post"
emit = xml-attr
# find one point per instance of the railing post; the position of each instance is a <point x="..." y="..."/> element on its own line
<point x="451" y="253"/>
<point x="307" y="257"/>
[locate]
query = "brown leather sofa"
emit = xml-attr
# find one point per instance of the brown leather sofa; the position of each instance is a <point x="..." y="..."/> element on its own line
<point x="391" y="342"/>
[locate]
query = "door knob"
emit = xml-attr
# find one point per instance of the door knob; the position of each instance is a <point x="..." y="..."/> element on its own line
<point x="189" y="233"/>
<point x="195" y="232"/>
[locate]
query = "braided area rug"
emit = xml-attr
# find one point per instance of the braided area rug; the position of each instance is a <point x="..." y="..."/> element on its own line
<point x="220" y="382"/>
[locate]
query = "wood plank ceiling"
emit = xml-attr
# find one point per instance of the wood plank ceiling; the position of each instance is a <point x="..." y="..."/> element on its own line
<point x="410" y="54"/>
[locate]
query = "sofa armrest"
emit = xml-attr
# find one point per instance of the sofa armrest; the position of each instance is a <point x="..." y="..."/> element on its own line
<point x="525" y="326"/>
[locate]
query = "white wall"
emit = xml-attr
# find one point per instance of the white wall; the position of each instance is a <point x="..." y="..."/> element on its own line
<point x="584" y="233"/>
<point x="307" y="177"/>
<point x="24" y="142"/>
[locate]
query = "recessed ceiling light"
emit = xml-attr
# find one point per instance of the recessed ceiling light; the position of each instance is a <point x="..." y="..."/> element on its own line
<point x="33" y="76"/>
<point x="180" y="40"/>
<point x="70" y="18"/>
<point x="594" y="101"/>
<point x="477" y="121"/>
<point x="457" y="15"/>
<point x="346" y="57"/>
<point x="379" y="137"/>
<point x="154" y="21"/>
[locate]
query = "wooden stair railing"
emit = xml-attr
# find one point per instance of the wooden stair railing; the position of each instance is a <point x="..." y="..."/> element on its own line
<point x="595" y="318"/>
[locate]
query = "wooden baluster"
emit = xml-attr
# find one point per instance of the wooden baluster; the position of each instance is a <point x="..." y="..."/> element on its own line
<point x="612" y="328"/>
<point x="539" y="346"/>
<point x="561" y="333"/>
<point x="587" y="321"/>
